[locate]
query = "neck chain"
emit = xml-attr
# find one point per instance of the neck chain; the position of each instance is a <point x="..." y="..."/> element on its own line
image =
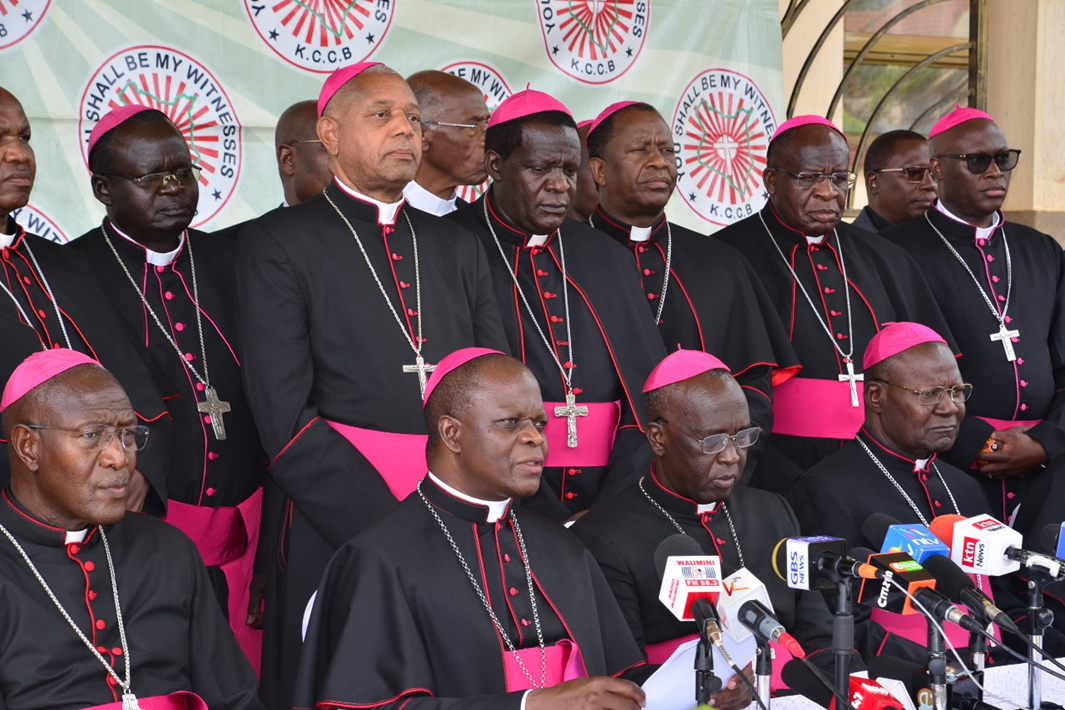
<point x="129" y="700"/>
<point x="665" y="276"/>
<point x="1004" y="335"/>
<point x="47" y="290"/>
<point x="213" y="406"/>
<point x="913" y="506"/>
<point x="419" y="367"/>
<point x="728" y="517"/>
<point x="484" y="600"/>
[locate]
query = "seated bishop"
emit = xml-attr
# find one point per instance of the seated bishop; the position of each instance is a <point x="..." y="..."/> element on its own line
<point x="101" y="608"/>
<point x="458" y="598"/>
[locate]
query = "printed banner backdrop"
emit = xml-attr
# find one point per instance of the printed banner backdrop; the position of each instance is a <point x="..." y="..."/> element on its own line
<point x="223" y="70"/>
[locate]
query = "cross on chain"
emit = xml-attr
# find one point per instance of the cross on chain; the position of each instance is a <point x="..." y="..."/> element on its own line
<point x="215" y="408"/>
<point x="854" y="379"/>
<point x="571" y="411"/>
<point x="1007" y="344"/>
<point x="421" y="369"/>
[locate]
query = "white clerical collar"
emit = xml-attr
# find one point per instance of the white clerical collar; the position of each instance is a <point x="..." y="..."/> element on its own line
<point x="7" y="240"/>
<point x="76" y="536"/>
<point x="496" y="508"/>
<point x="386" y="211"/>
<point x="426" y="201"/>
<point x="537" y="240"/>
<point x="706" y="508"/>
<point x="981" y="232"/>
<point x="284" y="203"/>
<point x="815" y="240"/>
<point x="921" y="464"/>
<point x="155" y="258"/>
<point x="640" y="234"/>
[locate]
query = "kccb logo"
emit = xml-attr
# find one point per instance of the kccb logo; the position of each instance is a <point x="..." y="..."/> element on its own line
<point x="594" y="41"/>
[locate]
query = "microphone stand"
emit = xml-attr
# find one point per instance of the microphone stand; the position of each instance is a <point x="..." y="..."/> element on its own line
<point x="843" y="636"/>
<point x="937" y="667"/>
<point x="1037" y="621"/>
<point x="763" y="669"/>
<point x="706" y="683"/>
<point x="978" y="655"/>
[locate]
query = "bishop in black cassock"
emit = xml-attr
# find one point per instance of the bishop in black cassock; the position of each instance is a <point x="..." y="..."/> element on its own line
<point x="710" y="300"/>
<point x="969" y="253"/>
<point x="400" y="616"/>
<point x="326" y="363"/>
<point x="175" y="289"/>
<point x="532" y="145"/>
<point x="800" y="249"/>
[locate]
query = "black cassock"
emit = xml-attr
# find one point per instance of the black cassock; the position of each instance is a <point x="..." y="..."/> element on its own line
<point x="177" y="636"/>
<point x="624" y="534"/>
<point x="205" y="472"/>
<point x="1033" y="386"/>
<point x="715" y="303"/>
<point x="615" y="345"/>
<point x="813" y="413"/>
<point x="93" y="329"/>
<point x="397" y="622"/>
<point x="319" y="343"/>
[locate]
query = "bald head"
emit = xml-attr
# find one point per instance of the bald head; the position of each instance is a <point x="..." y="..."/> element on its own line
<point x="459" y="388"/>
<point x="302" y="161"/>
<point x="18" y="166"/>
<point x="297" y="123"/>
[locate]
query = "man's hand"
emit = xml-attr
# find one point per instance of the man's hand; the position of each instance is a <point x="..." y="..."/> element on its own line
<point x="600" y="692"/>
<point x="1017" y="453"/>
<point x="257" y="589"/>
<point x="736" y="694"/>
<point x="137" y="492"/>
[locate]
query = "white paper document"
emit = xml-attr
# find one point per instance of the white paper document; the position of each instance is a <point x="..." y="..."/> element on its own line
<point x="672" y="687"/>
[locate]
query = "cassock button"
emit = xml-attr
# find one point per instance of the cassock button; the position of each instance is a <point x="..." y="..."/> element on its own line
<point x="160" y="269"/>
<point x="937" y="503"/>
<point x="1024" y="407"/>
<point x="179" y="327"/>
<point x="835" y="313"/>
<point x="199" y="386"/>
<point x="1011" y="495"/>
<point x="1024" y="383"/>
<point x="548" y="294"/>
<point x="41" y="313"/>
<point x="924" y="477"/>
<point x="404" y="284"/>
<point x="116" y="651"/>
<point x="27" y="279"/>
<point x="571" y="496"/>
<point x="577" y="390"/>
<point x="207" y="419"/>
<point x="168" y="296"/>
<point x="568" y="365"/>
<point x="89" y="566"/>
<point x="525" y="622"/>
<point x="73" y="549"/>
<point x="111" y="679"/>
<point x="92" y="595"/>
<point x="650" y="297"/>
<point x="211" y="491"/>
<point x="411" y="312"/>
<point x="101" y="624"/>
<point x="190" y="357"/>
<point x="506" y="557"/>
<point x="513" y="592"/>
<point x="981" y="242"/>
<point x="1009" y="319"/>
<point x="829" y="290"/>
<point x="990" y="258"/>
<point x="647" y="272"/>
<point x="1001" y="297"/>
<point x="994" y="279"/>
<point x="101" y="649"/>
<point x="396" y="257"/>
<point x="822" y="267"/>
<point x="720" y="541"/>
<point x="572" y="471"/>
<point x="211" y="455"/>
<point x="555" y="319"/>
<point x="541" y="272"/>
<point x="1020" y="361"/>
<point x="56" y="346"/>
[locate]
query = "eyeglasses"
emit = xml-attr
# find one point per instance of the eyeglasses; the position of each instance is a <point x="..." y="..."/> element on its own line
<point x="808" y="181"/>
<point x="157" y="181"/>
<point x="716" y="443"/>
<point x="473" y="129"/>
<point x="916" y="175"/>
<point x="94" y="438"/>
<point x="978" y="163"/>
<point x="310" y="140"/>
<point x="932" y="396"/>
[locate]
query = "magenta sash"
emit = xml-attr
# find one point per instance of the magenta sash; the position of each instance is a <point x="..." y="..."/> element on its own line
<point x="564" y="662"/>
<point x="658" y="653"/>
<point x="595" y="435"/>
<point x="227" y="538"/>
<point x="181" y="700"/>
<point x="1003" y="424"/>
<point x="399" y="458"/>
<point x="914" y="627"/>
<point x="818" y="409"/>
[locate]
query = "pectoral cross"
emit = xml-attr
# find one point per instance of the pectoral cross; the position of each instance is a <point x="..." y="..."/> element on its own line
<point x="421" y="369"/>
<point x="571" y="411"/>
<point x="1007" y="344"/>
<point x="215" y="408"/>
<point x="129" y="700"/>
<point x="854" y="380"/>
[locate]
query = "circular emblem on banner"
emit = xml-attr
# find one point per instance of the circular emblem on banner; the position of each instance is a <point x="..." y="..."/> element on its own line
<point x="184" y="89"/>
<point x="321" y="35"/>
<point x="495" y="89"/>
<point x="594" y="41"/>
<point x="18" y="19"/>
<point x="721" y="130"/>
<point x="34" y="221"/>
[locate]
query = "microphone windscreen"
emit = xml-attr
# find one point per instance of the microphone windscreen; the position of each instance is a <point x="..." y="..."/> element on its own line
<point x="1049" y="538"/>
<point x="875" y="528"/>
<point x="912" y="675"/>
<point x="943" y="527"/>
<point x="862" y="554"/>
<point x="802" y="680"/>
<point x="675" y="546"/>
<point x="950" y="578"/>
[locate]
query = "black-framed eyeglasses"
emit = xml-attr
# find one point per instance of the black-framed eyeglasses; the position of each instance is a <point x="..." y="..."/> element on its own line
<point x="978" y="163"/>
<point x="914" y="174"/>
<point x="157" y="181"/>
<point x="473" y="129"/>
<point x="807" y="181"/>
<point x="97" y="437"/>
<point x="932" y="396"/>
<point x="310" y="140"/>
<point x="716" y="443"/>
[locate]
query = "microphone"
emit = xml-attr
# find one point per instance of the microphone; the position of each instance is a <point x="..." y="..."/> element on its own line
<point x="865" y="694"/>
<point x="891" y="670"/>
<point x="983" y="545"/>
<point x="687" y="575"/>
<point x="956" y="585"/>
<point x="710" y="627"/>
<point x="890" y="535"/>
<point x="896" y="566"/>
<point x="760" y="619"/>
<point x="802" y="680"/>
<point x="942" y="609"/>
<point x="817" y="562"/>
<point x="1052" y="539"/>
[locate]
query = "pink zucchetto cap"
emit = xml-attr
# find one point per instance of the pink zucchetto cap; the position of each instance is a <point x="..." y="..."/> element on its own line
<point x="800" y="121"/>
<point x="896" y="337"/>
<point x="112" y="120"/>
<point x="452" y="362"/>
<point x="682" y="365"/>
<point x="337" y="79"/>
<point x="610" y="111"/>
<point x="37" y="369"/>
<point x="586" y="122"/>
<point x="526" y="103"/>
<point x="960" y="114"/>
